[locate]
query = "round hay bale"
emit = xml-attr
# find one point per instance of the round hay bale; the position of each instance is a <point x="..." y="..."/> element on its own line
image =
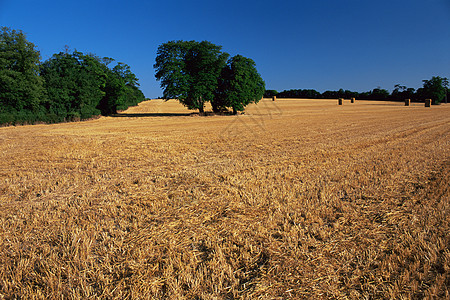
<point x="274" y="98"/>
<point x="407" y="102"/>
<point x="341" y="101"/>
<point x="353" y="100"/>
<point x="427" y="102"/>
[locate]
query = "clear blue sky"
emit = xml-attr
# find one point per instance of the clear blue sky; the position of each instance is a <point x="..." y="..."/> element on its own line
<point x="318" y="44"/>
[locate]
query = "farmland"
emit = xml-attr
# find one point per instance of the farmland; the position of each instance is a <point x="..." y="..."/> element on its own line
<point x="293" y="199"/>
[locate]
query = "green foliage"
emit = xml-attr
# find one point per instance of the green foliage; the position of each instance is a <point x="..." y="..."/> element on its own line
<point x="74" y="83"/>
<point x="133" y="96"/>
<point x="189" y="71"/>
<point x="307" y="94"/>
<point x="20" y="84"/>
<point x="239" y="85"/>
<point x="113" y="92"/>
<point x="270" y="93"/>
<point x="82" y="85"/>
<point x="23" y="117"/>
<point x="379" y="94"/>
<point x="129" y="93"/>
<point x="401" y="93"/>
<point x="198" y="72"/>
<point x="171" y="69"/>
<point x="66" y="87"/>
<point x="434" y="89"/>
<point x="121" y="89"/>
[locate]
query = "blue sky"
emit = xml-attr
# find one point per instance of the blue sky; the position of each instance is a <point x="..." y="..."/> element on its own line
<point x="316" y="44"/>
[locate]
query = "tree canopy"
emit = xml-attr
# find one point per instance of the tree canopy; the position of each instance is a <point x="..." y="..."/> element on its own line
<point x="239" y="85"/>
<point x="121" y="89"/>
<point x="68" y="86"/>
<point x="75" y="83"/>
<point x="435" y="89"/>
<point x="21" y="86"/>
<point x="198" y="72"/>
<point x="188" y="71"/>
<point x="82" y="85"/>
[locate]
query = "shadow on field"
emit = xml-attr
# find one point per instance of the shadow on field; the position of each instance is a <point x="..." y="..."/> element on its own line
<point x="140" y="115"/>
<point x="157" y="114"/>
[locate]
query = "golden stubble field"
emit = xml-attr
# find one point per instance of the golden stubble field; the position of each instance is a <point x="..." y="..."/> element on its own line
<point x="293" y="199"/>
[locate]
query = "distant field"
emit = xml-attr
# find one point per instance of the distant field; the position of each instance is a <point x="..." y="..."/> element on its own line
<point x="293" y="199"/>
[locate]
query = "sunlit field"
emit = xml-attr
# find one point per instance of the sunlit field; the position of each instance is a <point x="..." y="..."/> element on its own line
<point x="293" y="199"/>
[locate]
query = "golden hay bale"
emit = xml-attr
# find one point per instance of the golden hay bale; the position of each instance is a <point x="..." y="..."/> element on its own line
<point x="407" y="102"/>
<point x="274" y="98"/>
<point x="353" y="100"/>
<point x="341" y="101"/>
<point x="427" y="102"/>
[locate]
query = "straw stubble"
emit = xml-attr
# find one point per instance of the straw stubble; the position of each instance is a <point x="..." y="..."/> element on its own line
<point x="294" y="199"/>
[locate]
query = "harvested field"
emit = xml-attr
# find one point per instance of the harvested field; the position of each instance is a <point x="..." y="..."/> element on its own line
<point x="293" y="199"/>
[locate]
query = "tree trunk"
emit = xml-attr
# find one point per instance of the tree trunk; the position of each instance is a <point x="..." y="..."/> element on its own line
<point x="201" y="108"/>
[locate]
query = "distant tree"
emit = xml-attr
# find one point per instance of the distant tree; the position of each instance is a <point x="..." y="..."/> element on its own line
<point x="189" y="71"/>
<point x="285" y="94"/>
<point x="402" y="92"/>
<point x="340" y="93"/>
<point x="349" y="94"/>
<point x="379" y="94"/>
<point x="365" y="95"/>
<point x="299" y="93"/>
<point x="20" y="84"/>
<point x="270" y="93"/>
<point x="310" y="94"/>
<point x="239" y="85"/>
<point x="330" y="95"/>
<point x="435" y="89"/>
<point x="346" y="94"/>
<point x="399" y="88"/>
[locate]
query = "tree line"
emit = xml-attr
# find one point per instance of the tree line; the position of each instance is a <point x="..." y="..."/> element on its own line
<point x="72" y="85"/>
<point x="435" y="88"/>
<point x="68" y="86"/>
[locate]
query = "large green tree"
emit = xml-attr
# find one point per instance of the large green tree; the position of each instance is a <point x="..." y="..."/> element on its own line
<point x="82" y="85"/>
<point x="131" y="94"/>
<point x="189" y="71"/>
<point x="75" y="84"/>
<point x="239" y="85"/>
<point x="121" y="88"/>
<point x="20" y="84"/>
<point x="435" y="89"/>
